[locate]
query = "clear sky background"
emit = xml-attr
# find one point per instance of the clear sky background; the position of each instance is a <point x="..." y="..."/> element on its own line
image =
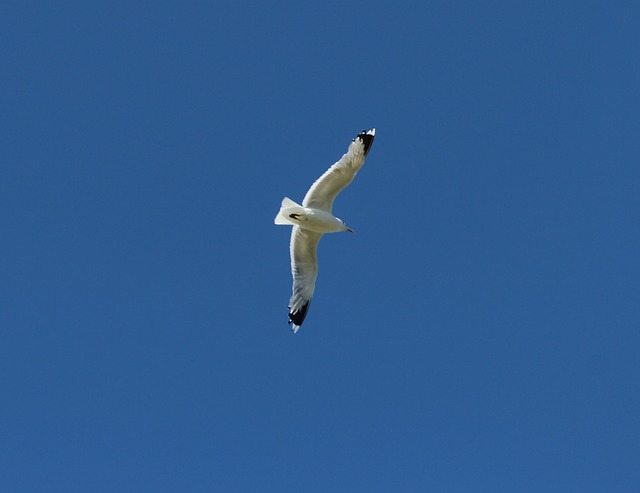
<point x="478" y="333"/>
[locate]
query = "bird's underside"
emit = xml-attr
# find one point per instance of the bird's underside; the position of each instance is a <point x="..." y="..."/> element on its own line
<point x="314" y="218"/>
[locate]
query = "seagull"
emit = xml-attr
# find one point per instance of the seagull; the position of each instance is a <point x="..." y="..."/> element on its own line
<point x="314" y="218"/>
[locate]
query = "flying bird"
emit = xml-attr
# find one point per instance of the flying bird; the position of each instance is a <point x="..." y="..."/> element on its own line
<point x="314" y="218"/>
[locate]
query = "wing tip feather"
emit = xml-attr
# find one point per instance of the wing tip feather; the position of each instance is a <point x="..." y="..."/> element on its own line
<point x="366" y="137"/>
<point x="297" y="317"/>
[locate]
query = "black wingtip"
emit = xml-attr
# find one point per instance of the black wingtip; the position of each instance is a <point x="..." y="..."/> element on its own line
<point x="367" y="139"/>
<point x="298" y="316"/>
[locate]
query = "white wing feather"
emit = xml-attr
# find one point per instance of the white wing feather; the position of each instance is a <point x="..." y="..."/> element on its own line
<point x="304" y="269"/>
<point x="325" y="189"/>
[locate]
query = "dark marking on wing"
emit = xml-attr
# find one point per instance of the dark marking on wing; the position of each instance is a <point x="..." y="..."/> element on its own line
<point x="298" y="316"/>
<point x="367" y="140"/>
<point x="294" y="216"/>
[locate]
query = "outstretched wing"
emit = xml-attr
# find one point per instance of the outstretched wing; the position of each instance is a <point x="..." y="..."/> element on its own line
<point x="304" y="269"/>
<point x="325" y="189"/>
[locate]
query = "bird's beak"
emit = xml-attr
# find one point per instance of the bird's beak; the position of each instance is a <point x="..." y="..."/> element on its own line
<point x="350" y="230"/>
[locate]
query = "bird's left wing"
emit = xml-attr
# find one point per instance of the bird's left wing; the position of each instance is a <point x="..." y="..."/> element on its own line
<point x="304" y="269"/>
<point x="325" y="189"/>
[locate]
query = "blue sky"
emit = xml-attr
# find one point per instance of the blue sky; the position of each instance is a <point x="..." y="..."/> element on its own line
<point x="479" y="332"/>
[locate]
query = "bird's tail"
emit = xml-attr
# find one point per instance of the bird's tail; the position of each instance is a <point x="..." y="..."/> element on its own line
<point x="287" y="207"/>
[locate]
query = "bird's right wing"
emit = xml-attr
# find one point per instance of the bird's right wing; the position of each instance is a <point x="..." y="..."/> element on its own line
<point x="325" y="189"/>
<point x="304" y="269"/>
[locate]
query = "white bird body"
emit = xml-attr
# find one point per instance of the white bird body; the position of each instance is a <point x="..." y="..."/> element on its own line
<point x="309" y="218"/>
<point x="314" y="218"/>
